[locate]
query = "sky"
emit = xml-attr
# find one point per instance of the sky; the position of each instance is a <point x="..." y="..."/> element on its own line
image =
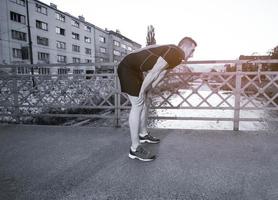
<point x="223" y="29"/>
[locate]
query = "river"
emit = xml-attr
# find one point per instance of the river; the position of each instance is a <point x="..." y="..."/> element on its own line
<point x="214" y="100"/>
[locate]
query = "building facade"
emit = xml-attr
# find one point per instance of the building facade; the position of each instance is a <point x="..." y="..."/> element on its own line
<point x="253" y="67"/>
<point x="120" y="46"/>
<point x="112" y="47"/>
<point x="34" y="32"/>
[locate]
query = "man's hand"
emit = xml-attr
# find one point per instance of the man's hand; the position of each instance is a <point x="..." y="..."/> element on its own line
<point x="159" y="78"/>
<point x="141" y="98"/>
<point x="159" y="66"/>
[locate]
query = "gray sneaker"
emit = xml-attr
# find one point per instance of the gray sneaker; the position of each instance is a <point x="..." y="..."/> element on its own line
<point x="149" y="139"/>
<point x="141" y="154"/>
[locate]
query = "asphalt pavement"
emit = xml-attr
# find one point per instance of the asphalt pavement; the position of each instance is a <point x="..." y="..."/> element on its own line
<point x="76" y="163"/>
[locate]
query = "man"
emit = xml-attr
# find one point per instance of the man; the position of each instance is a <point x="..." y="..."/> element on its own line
<point x="157" y="61"/>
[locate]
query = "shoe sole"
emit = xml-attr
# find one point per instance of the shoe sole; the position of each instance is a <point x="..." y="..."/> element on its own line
<point x="142" y="159"/>
<point x="149" y="141"/>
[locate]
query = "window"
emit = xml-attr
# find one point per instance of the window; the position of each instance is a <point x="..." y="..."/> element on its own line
<point x="87" y="39"/>
<point x="43" y="56"/>
<point x="75" y="36"/>
<point x="129" y="48"/>
<point x="44" y="70"/>
<point x="41" y="9"/>
<point x="23" y="70"/>
<point x="41" y="25"/>
<point x="17" y="17"/>
<point x="87" y="28"/>
<point x="116" y="43"/>
<point x="75" y="60"/>
<point x="116" y="53"/>
<point x="60" y="31"/>
<point x="17" y="53"/>
<point x="63" y="71"/>
<point x="75" y="23"/>
<point x="115" y="61"/>
<point x="42" y="41"/>
<point x="102" y="39"/>
<point x="88" y="51"/>
<point x="19" y="35"/>
<point x="61" y="59"/>
<point x="19" y="2"/>
<point x="75" y="48"/>
<point x="60" y="45"/>
<point x="102" y="50"/>
<point x="78" y="71"/>
<point x="60" y="17"/>
<point x="88" y="60"/>
<point x="123" y="46"/>
<point x="25" y="53"/>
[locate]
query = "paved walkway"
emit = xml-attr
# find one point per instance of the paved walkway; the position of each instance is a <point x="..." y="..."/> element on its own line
<point x="66" y="163"/>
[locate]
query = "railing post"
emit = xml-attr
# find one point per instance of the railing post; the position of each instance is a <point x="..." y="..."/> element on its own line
<point x="117" y="99"/>
<point x="237" y="97"/>
<point x="15" y="94"/>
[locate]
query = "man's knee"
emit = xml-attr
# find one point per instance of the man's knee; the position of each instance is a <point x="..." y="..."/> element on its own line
<point x="135" y="102"/>
<point x="137" y="106"/>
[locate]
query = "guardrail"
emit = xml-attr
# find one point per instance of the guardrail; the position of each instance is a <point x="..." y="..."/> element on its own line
<point x="26" y="97"/>
<point x="53" y="97"/>
<point x="181" y="93"/>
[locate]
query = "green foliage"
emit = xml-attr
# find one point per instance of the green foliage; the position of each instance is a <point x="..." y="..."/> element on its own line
<point x="274" y="55"/>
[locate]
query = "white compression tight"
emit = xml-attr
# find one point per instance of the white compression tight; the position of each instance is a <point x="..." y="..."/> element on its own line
<point x="137" y="120"/>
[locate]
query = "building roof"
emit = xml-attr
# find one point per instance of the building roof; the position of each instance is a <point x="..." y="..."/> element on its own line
<point x="65" y="13"/>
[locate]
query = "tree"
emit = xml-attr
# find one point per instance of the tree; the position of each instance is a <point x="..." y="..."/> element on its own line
<point x="274" y="55"/>
<point x="150" y="36"/>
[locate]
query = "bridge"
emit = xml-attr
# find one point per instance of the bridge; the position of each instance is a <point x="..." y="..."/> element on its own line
<point x="86" y="162"/>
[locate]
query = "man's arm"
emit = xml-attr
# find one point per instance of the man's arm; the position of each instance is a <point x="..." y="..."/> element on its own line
<point x="154" y="73"/>
<point x="160" y="77"/>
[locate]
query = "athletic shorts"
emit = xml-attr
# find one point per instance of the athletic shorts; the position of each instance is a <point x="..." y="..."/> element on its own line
<point x="130" y="79"/>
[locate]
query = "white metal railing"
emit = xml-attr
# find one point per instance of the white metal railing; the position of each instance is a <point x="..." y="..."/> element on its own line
<point x="98" y="95"/>
<point x="24" y="97"/>
<point x="210" y="91"/>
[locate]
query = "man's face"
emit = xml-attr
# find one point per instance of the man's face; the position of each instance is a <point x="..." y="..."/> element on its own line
<point x="188" y="49"/>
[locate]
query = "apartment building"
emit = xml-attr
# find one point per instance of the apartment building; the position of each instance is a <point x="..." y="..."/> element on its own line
<point x="120" y="46"/>
<point x="53" y="36"/>
<point x="112" y="47"/>
<point x="252" y="67"/>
